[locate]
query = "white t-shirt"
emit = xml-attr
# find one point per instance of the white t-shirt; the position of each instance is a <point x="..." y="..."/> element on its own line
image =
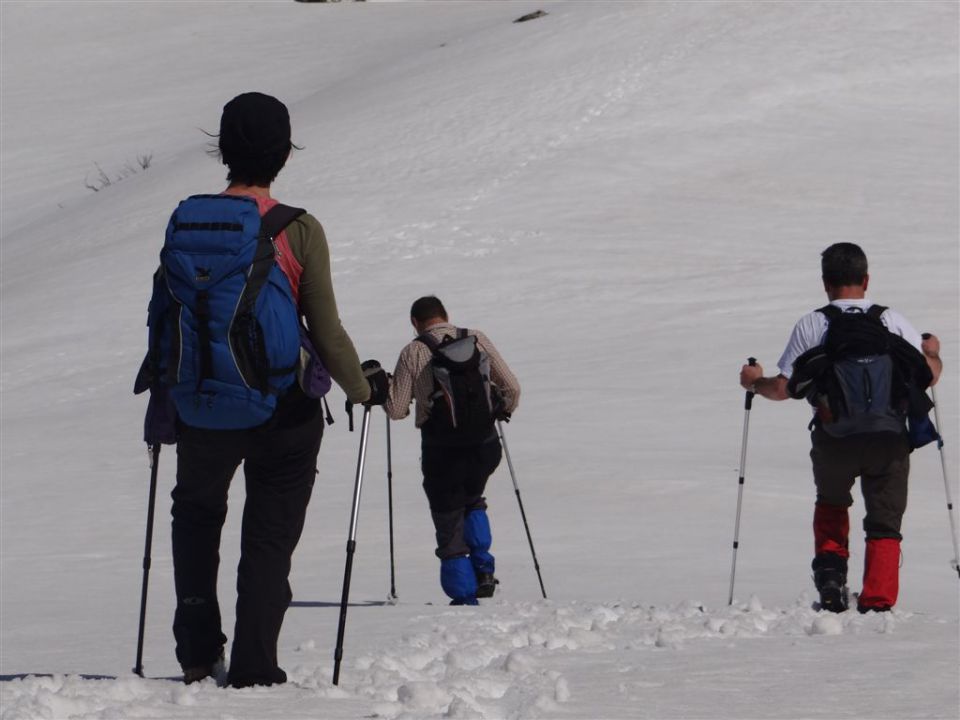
<point x="810" y="329"/>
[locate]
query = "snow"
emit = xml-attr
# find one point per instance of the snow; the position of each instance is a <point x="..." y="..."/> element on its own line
<point x="629" y="199"/>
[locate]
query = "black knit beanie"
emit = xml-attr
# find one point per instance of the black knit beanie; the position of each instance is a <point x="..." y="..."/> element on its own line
<point x="254" y="124"/>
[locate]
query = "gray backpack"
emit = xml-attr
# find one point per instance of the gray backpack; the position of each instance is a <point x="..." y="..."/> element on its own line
<point x="465" y="402"/>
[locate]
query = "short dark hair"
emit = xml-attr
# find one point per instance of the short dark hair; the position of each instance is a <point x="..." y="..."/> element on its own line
<point x="427" y="308"/>
<point x="259" y="172"/>
<point x="843" y="264"/>
<point x="254" y="141"/>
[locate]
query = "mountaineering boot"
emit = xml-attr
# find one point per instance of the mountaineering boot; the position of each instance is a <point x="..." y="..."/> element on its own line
<point x="195" y="674"/>
<point x="834" y="595"/>
<point x="273" y="677"/>
<point x="830" y="578"/>
<point x="486" y="585"/>
<point x="881" y="575"/>
<point x="201" y="672"/>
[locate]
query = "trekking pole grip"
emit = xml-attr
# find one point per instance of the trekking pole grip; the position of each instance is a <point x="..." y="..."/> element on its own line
<point x="748" y="401"/>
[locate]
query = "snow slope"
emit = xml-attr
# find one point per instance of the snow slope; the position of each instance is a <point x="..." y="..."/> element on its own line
<point x="629" y="198"/>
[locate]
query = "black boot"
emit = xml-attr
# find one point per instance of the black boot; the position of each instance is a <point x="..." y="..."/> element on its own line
<point x="830" y="577"/>
<point x="486" y="585"/>
<point x="201" y="672"/>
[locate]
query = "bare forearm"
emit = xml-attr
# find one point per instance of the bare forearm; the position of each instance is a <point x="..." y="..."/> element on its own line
<point x="772" y="388"/>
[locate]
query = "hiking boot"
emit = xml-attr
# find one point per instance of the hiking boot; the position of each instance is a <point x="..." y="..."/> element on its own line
<point x="864" y="609"/>
<point x="201" y="672"/>
<point x="832" y="586"/>
<point x="196" y="674"/>
<point x="273" y="677"/>
<point x="486" y="585"/>
<point x="464" y="601"/>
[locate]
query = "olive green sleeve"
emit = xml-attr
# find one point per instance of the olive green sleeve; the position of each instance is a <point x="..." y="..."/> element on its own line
<point x="319" y="306"/>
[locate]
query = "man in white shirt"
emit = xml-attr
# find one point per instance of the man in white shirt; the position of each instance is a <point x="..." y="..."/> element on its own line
<point x="880" y="459"/>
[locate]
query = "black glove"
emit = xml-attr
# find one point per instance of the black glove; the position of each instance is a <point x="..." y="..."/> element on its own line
<point x="379" y="382"/>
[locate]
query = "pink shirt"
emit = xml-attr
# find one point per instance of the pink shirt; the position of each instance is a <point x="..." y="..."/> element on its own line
<point x="288" y="263"/>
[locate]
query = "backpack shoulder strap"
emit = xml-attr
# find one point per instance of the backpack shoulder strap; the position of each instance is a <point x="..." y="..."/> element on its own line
<point x="831" y="311"/>
<point x="427" y="339"/>
<point x="277" y="218"/>
<point x="271" y="224"/>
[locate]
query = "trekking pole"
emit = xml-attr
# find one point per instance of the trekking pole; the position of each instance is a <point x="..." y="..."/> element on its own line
<point x="946" y="483"/>
<point x="747" y="404"/>
<point x="154" y="463"/>
<point x="351" y="546"/>
<point x="393" y="574"/>
<point x="516" y="489"/>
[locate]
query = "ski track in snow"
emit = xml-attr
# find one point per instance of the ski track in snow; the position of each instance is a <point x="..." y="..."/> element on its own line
<point x="492" y="662"/>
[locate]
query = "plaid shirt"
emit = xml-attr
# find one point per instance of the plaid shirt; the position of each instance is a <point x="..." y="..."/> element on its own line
<point x="413" y="379"/>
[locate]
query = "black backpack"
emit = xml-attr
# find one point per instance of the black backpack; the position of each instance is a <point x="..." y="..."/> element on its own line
<point x="862" y="378"/>
<point x="465" y="402"/>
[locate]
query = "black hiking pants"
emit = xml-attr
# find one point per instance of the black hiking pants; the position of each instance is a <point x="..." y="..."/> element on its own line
<point x="279" y="461"/>
<point x="454" y="479"/>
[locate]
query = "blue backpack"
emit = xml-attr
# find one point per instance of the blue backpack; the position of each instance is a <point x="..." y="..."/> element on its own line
<point x="224" y="329"/>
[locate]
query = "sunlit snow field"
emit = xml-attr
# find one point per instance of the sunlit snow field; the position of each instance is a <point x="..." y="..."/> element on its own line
<point x="629" y="198"/>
